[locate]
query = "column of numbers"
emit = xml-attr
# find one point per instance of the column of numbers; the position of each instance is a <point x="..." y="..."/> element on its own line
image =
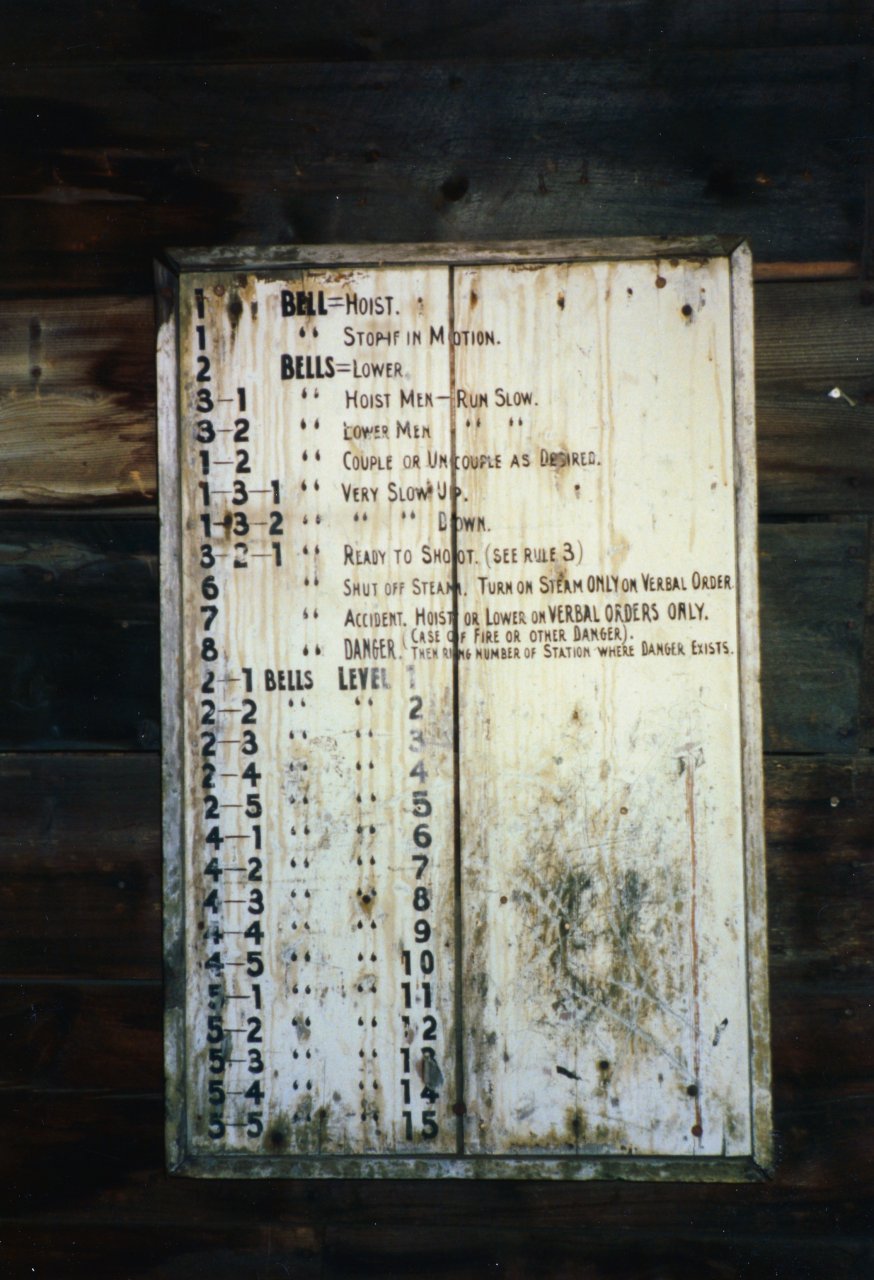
<point x="232" y="837"/>
<point x="420" y="1089"/>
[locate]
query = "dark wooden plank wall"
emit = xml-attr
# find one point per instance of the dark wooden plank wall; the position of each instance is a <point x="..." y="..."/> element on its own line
<point x="127" y="127"/>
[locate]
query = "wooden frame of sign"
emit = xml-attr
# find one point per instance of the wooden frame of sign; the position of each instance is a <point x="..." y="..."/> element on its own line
<point x="462" y="779"/>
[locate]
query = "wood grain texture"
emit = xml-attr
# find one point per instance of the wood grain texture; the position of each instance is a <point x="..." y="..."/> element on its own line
<point x="79" y="643"/>
<point x="866" y="739"/>
<point x="812" y="581"/>
<point x="77" y="407"/>
<point x="92" y="1036"/>
<point x="106" y="1037"/>
<point x="178" y="1252"/>
<point x="80" y="851"/>
<point x="104" y="165"/>
<point x="82" y="1157"/>
<point x="82" y="431"/>
<point x="362" y="30"/>
<point x="815" y="450"/>
<point x="560" y="1254"/>
<point x="275" y="1253"/>
<point x="79" y="640"/>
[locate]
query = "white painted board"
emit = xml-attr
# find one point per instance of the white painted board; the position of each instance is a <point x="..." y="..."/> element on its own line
<point x="463" y="841"/>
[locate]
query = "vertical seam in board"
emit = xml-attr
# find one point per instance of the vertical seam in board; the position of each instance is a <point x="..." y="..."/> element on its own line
<point x="458" y="968"/>
<point x="758" y="960"/>
<point x="739" y="577"/>
<point x="740" y="442"/>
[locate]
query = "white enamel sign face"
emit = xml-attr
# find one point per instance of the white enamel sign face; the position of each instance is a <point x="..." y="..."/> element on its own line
<point x="464" y="855"/>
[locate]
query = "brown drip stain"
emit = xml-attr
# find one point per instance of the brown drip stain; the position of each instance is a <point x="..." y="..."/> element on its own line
<point x="235" y="309"/>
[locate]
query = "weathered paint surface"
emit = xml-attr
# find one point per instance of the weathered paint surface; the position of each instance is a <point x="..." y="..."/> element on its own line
<point x="602" y="841"/>
<point x="313" y="690"/>
<point x="455" y="817"/>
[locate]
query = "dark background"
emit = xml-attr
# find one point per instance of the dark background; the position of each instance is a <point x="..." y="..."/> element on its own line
<point x="128" y="126"/>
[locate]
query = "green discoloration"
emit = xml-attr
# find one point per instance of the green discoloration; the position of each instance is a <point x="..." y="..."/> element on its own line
<point x="604" y="908"/>
<point x="593" y="948"/>
<point x="306" y="1127"/>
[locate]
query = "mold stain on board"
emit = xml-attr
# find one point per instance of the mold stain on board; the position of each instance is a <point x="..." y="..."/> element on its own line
<point x="602" y="971"/>
<point x="603" y="937"/>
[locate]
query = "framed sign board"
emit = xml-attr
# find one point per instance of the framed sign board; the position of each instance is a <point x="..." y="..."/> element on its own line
<point x="462" y="782"/>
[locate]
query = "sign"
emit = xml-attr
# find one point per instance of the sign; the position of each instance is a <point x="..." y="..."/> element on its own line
<point x="464" y="867"/>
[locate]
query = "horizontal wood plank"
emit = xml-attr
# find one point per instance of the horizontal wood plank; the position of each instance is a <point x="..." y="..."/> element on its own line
<point x="108" y="1037"/>
<point x="81" y="1157"/>
<point x="103" y="567"/>
<point x="103" y="164"/>
<point x="866" y="716"/>
<point x="274" y="1253"/>
<point x="80" y="852"/>
<point x="77" y="409"/>
<point x="146" y="125"/>
<point x="79" y="642"/>
<point x="174" y="1252"/>
<point x="92" y="1036"/>
<point x="819" y="818"/>
<point x="812" y="582"/>
<point x="207" y="30"/>
<point x="79" y="637"/>
<point x="814" y="354"/>
<point x="575" y="1251"/>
